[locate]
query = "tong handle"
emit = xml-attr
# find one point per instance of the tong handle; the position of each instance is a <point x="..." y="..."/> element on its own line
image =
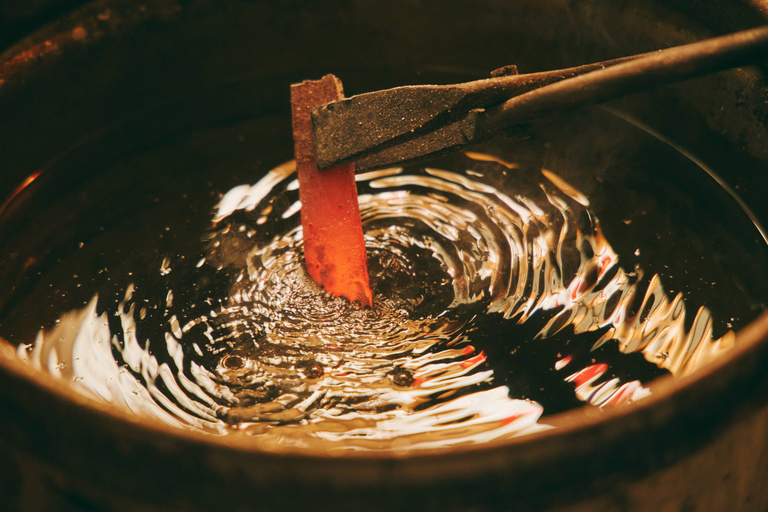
<point x="648" y="71"/>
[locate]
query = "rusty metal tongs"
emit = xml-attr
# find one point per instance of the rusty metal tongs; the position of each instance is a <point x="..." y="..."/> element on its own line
<point x="382" y="128"/>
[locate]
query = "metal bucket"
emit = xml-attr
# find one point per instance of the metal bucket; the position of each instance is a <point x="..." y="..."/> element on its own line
<point x="698" y="443"/>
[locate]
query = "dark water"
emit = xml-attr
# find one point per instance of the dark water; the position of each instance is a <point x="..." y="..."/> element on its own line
<point x="511" y="282"/>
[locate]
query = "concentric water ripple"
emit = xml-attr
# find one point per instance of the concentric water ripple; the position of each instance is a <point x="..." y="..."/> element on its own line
<point x="275" y="356"/>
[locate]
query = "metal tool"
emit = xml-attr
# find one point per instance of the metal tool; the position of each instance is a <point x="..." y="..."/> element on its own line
<point x="407" y="123"/>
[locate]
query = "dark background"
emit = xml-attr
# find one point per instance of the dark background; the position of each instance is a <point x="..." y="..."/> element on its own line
<point x="20" y="17"/>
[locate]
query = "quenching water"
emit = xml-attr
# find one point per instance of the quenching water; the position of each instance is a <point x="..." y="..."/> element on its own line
<point x="511" y="282"/>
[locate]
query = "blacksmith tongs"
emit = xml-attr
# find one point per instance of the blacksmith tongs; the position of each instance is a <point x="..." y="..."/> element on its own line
<point x="387" y="127"/>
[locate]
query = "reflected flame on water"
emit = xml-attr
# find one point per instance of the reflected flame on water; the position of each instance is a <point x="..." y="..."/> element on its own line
<point x="279" y="359"/>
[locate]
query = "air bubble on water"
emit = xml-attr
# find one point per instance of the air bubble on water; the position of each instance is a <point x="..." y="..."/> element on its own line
<point x="402" y="377"/>
<point x="233" y="362"/>
<point x="313" y="370"/>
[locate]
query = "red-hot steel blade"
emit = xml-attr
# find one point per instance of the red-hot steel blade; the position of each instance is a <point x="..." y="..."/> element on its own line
<point x="334" y="248"/>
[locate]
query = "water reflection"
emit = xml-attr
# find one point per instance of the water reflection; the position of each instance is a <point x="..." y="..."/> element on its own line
<point x="276" y="357"/>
